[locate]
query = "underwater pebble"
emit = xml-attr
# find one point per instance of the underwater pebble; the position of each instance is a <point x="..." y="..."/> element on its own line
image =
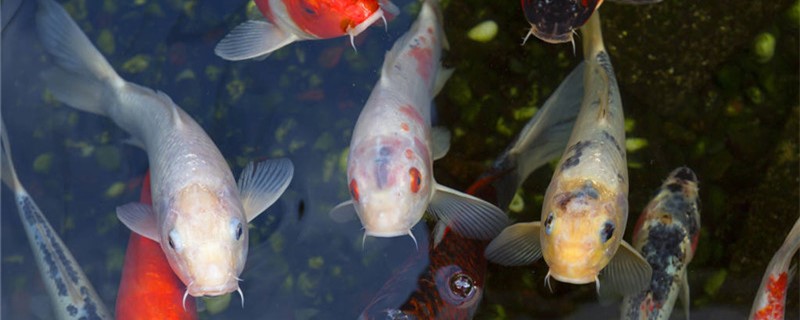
<point x="136" y="64"/>
<point x="764" y="47"/>
<point x="115" y="190"/>
<point x="634" y="144"/>
<point x="517" y="203"/>
<point x="43" y="163"/>
<point x="483" y="32"/>
<point x="217" y="304"/>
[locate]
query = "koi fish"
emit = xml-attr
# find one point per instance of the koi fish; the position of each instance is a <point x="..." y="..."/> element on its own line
<point x="148" y="288"/>
<point x="390" y="165"/>
<point x="198" y="214"/>
<point x="586" y="204"/>
<point x="770" y="301"/>
<point x="70" y="291"/>
<point x="452" y="285"/>
<point x="554" y="21"/>
<point x="297" y="20"/>
<point x="666" y="235"/>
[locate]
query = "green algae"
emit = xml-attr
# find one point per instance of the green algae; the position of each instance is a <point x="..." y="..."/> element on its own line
<point x="105" y="42"/>
<point x="43" y="163"/>
<point x="764" y="47"/>
<point x="115" y="190"/>
<point x="137" y="64"/>
<point x="217" y="304"/>
<point x="108" y="157"/>
<point x="316" y="262"/>
<point x="483" y="32"/>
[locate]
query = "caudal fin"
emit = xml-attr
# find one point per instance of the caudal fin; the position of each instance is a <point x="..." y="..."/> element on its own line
<point x="8" y="174"/>
<point x="83" y="78"/>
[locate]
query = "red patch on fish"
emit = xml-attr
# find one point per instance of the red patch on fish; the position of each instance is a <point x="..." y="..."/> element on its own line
<point x="424" y="63"/>
<point x="412" y="113"/>
<point x="404" y="126"/>
<point x="324" y="18"/>
<point x="776" y="298"/>
<point x="409" y="154"/>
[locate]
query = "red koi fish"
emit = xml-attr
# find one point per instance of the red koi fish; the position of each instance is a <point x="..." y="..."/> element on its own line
<point x="297" y="20"/>
<point x="555" y="21"/>
<point x="770" y="301"/>
<point x="149" y="289"/>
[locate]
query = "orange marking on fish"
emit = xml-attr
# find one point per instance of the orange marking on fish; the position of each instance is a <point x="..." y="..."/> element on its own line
<point x="409" y="154"/>
<point x="776" y="296"/>
<point x="424" y="57"/>
<point x="412" y="113"/>
<point x="404" y="126"/>
<point x="354" y="190"/>
<point x="416" y="179"/>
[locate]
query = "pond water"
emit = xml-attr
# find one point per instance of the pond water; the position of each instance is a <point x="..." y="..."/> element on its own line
<point x="693" y="89"/>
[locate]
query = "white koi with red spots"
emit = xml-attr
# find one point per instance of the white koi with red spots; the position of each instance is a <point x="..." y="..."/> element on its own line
<point x="390" y="165"/>
<point x="199" y="214"/>
<point x="770" y="301"/>
<point x="666" y="235"/>
<point x="585" y="207"/>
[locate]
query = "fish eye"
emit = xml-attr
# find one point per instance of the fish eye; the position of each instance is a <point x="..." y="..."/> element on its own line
<point x="238" y="231"/>
<point x="548" y="223"/>
<point x="416" y="179"/>
<point x="354" y="190"/>
<point x="174" y="240"/>
<point x="462" y="285"/>
<point x="607" y="232"/>
<point x="456" y="287"/>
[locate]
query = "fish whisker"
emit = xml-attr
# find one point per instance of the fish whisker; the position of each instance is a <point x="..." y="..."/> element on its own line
<point x="413" y="238"/>
<point x="547" y="281"/>
<point x="241" y="295"/>
<point x="597" y="283"/>
<point x="363" y="240"/>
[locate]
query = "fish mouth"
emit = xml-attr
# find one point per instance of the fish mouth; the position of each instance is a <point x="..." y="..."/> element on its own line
<point x="387" y="233"/>
<point x="572" y="280"/>
<point x="212" y="291"/>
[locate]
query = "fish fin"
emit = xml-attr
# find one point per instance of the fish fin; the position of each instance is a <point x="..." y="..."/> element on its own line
<point x="441" y="79"/>
<point x="684" y="294"/>
<point x="80" y="92"/>
<point x="140" y="218"/>
<point x="439" y="230"/>
<point x="253" y="39"/>
<point x="440" y="142"/>
<point x="627" y="272"/>
<point x="8" y="174"/>
<point x="389" y="8"/>
<point x="262" y="183"/>
<point x="517" y="245"/>
<point x="467" y="215"/>
<point x="543" y="138"/>
<point x="134" y="142"/>
<point x="343" y="212"/>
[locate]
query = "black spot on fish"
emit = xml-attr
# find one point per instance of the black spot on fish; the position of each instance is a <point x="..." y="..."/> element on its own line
<point x="72" y="310"/>
<point x="605" y="62"/>
<point x="664" y="252"/>
<point x="577" y="152"/>
<point x="620" y="177"/>
<point x="385" y="151"/>
<point x="685" y="173"/>
<point x="554" y="21"/>
<point x="613" y="140"/>
<point x="89" y="306"/>
<point x="583" y="194"/>
<point x="675" y="187"/>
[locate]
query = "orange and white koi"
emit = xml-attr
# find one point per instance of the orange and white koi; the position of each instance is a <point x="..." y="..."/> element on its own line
<point x="199" y="215"/>
<point x="390" y="165"/>
<point x="770" y="301"/>
<point x="666" y="234"/>
<point x="296" y="20"/>
<point x="70" y="291"/>
<point x="586" y="204"/>
<point x="555" y="21"/>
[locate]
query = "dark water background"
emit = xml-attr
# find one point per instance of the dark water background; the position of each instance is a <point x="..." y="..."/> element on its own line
<point x="691" y="84"/>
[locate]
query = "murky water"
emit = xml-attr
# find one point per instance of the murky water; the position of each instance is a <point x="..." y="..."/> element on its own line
<point x="692" y="88"/>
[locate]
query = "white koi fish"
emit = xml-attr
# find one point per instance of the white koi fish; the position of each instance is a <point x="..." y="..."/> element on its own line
<point x="666" y="235"/>
<point x="198" y="215"/>
<point x="390" y="165"/>
<point x="770" y="301"/>
<point x="70" y="291"/>
<point x="586" y="204"/>
<point x="296" y="20"/>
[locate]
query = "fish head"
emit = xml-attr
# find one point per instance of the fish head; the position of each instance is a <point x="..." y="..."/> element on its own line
<point x="205" y="238"/>
<point x="326" y="19"/>
<point x="581" y="231"/>
<point x="556" y="21"/>
<point x="390" y="183"/>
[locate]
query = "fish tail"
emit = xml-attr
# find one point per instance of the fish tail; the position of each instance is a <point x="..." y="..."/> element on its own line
<point x="592" y="36"/>
<point x="83" y="78"/>
<point x="8" y="174"/>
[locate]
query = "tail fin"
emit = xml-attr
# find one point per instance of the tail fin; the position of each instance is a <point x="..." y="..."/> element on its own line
<point x="543" y="138"/>
<point x="84" y="76"/>
<point x="8" y="174"/>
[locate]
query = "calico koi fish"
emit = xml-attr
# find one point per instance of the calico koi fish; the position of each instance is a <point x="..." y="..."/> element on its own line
<point x="297" y="20"/>
<point x="148" y="288"/>
<point x="390" y="165"/>
<point x="70" y="291"/>
<point x="199" y="216"/>
<point x="586" y="204"/>
<point x="452" y="285"/>
<point x="555" y="21"/>
<point x="770" y="301"/>
<point x="666" y="235"/>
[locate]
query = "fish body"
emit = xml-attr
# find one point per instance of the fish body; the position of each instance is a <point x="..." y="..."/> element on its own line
<point x="148" y="288"/>
<point x="770" y="300"/>
<point x="199" y="215"/>
<point x="555" y="21"/>
<point x="296" y="20"/>
<point x="585" y="206"/>
<point x="666" y="234"/>
<point x="452" y="285"/>
<point x="71" y="293"/>
<point x="390" y="164"/>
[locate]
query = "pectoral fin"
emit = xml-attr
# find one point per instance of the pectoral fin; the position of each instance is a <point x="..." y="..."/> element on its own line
<point x="517" y="245"/>
<point x="252" y="39"/>
<point x="343" y="212"/>
<point x="262" y="183"/>
<point x="140" y="218"/>
<point x="440" y="142"/>
<point x="467" y="215"/>
<point x="627" y="272"/>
